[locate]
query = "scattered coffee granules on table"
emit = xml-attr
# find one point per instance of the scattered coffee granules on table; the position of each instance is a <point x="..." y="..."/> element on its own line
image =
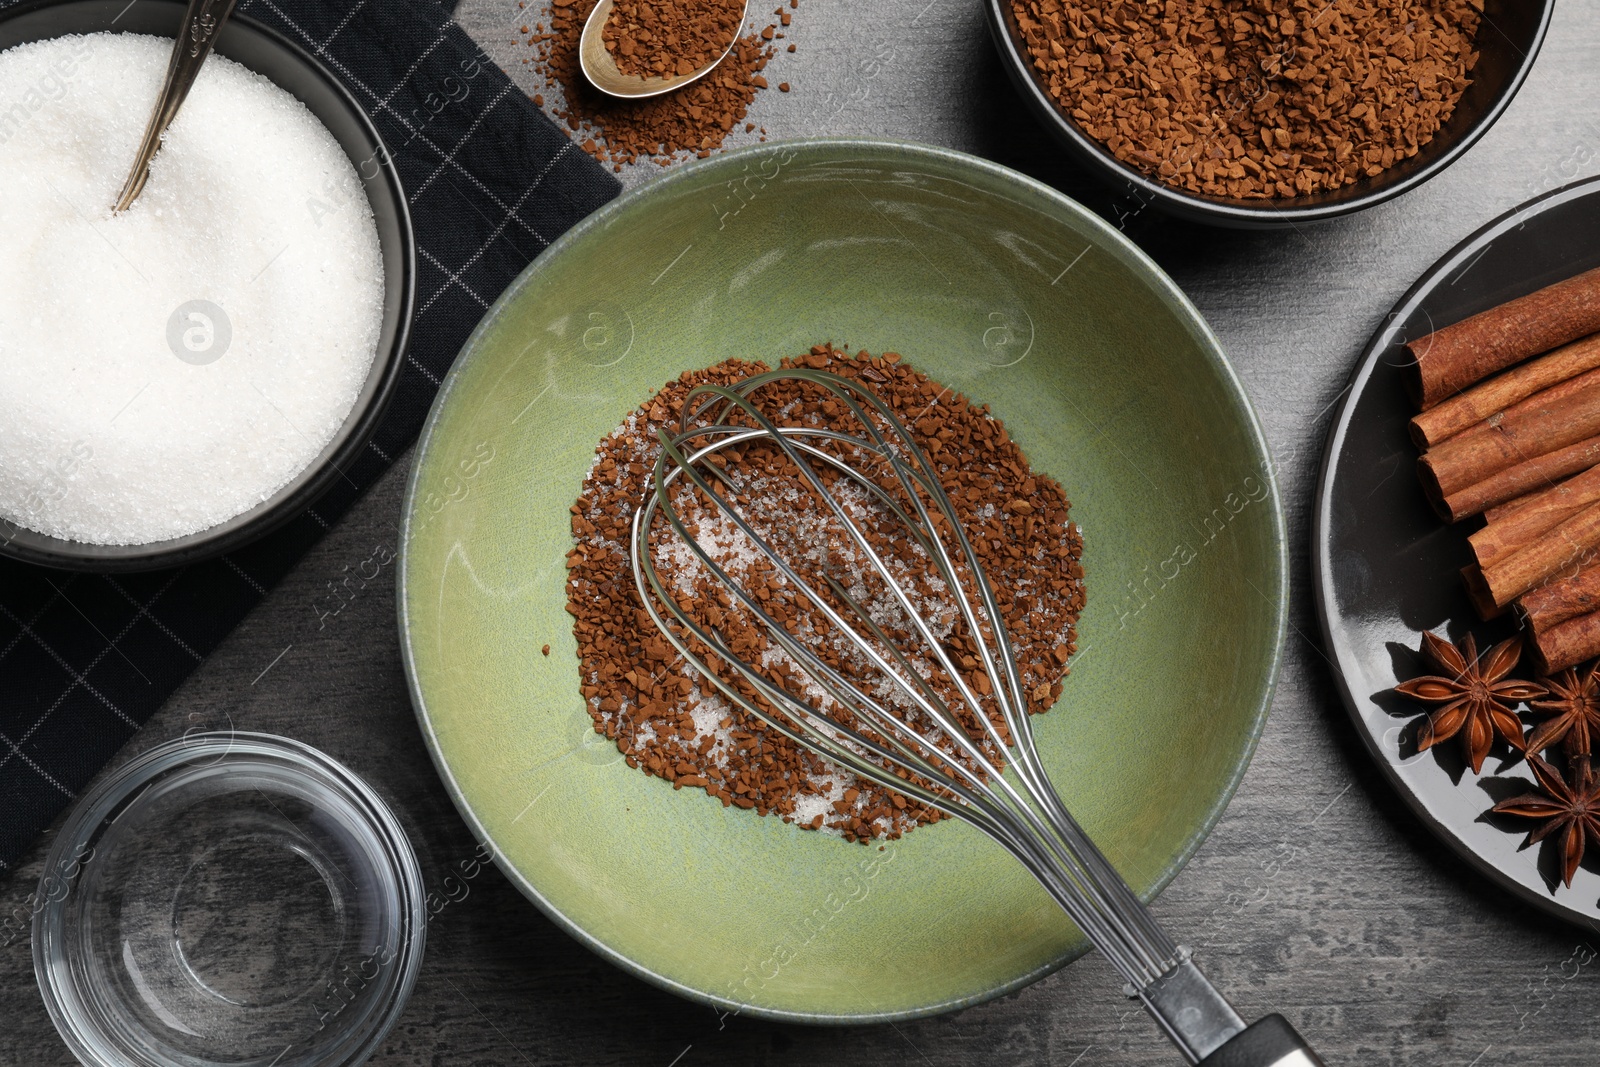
<point x="670" y="722"/>
<point x="1259" y="99"/>
<point x="692" y="121"/>
<point x="669" y="37"/>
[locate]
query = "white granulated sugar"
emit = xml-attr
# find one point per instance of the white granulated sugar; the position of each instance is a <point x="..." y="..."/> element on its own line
<point x="708" y="710"/>
<point x="808" y="806"/>
<point x="111" y="433"/>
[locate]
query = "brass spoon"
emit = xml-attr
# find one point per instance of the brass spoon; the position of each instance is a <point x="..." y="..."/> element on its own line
<point x="602" y="72"/>
<point x="196" y="35"/>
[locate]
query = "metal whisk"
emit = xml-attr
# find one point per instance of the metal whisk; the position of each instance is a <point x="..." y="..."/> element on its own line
<point x="874" y="730"/>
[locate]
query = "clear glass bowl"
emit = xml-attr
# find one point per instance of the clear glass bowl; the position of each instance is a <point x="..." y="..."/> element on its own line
<point x="229" y="898"/>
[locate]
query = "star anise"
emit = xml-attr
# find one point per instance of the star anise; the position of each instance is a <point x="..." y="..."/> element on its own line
<point x="1574" y="712"/>
<point x="1574" y="810"/>
<point x="1476" y="694"/>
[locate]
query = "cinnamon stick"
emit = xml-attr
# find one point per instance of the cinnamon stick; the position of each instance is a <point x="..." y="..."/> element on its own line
<point x="1567" y="644"/>
<point x="1477" y="592"/>
<point x="1500" y="511"/>
<point x="1489" y="398"/>
<point x="1515" y="504"/>
<point x="1556" y="602"/>
<point x="1541" y="472"/>
<point x="1575" y="542"/>
<point x="1532" y="428"/>
<point x="1449" y="360"/>
<point x="1541" y="512"/>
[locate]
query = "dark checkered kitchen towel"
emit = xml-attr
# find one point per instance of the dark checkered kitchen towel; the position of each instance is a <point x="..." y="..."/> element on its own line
<point x="85" y="660"/>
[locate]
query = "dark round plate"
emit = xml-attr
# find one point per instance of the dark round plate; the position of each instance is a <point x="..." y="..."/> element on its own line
<point x="1386" y="567"/>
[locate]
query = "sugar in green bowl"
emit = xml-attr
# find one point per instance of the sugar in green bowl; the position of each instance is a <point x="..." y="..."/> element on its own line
<point x="997" y="286"/>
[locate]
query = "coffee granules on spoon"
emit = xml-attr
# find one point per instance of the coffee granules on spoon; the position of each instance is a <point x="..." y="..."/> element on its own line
<point x="670" y="722"/>
<point x="669" y="37"/>
<point x="692" y="121"/>
<point x="1255" y="99"/>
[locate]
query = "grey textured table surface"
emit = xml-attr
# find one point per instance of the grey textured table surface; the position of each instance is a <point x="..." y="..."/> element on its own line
<point x="1318" y="894"/>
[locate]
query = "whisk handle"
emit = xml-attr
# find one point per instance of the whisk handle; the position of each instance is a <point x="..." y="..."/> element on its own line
<point x="1268" y="1042"/>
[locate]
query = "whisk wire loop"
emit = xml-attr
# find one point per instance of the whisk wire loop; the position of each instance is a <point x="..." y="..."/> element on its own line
<point x="1069" y="871"/>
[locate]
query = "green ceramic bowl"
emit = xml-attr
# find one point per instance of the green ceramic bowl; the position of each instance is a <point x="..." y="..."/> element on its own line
<point x="999" y="287"/>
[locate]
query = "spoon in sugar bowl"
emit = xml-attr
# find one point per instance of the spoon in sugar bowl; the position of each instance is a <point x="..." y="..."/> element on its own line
<point x="600" y="66"/>
<point x="202" y="22"/>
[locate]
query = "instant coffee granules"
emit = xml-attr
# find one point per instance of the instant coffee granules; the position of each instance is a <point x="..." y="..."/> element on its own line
<point x="670" y="722"/>
<point x="1255" y="98"/>
<point x="692" y="121"/>
<point x="669" y="37"/>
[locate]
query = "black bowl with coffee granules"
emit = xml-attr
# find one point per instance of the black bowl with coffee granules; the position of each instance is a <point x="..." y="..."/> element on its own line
<point x="1262" y="115"/>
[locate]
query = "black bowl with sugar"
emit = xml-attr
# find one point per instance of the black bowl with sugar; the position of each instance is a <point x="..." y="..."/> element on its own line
<point x="287" y="65"/>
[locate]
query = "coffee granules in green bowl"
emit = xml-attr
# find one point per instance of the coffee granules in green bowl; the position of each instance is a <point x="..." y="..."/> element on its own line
<point x="664" y="716"/>
<point x="1005" y="291"/>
